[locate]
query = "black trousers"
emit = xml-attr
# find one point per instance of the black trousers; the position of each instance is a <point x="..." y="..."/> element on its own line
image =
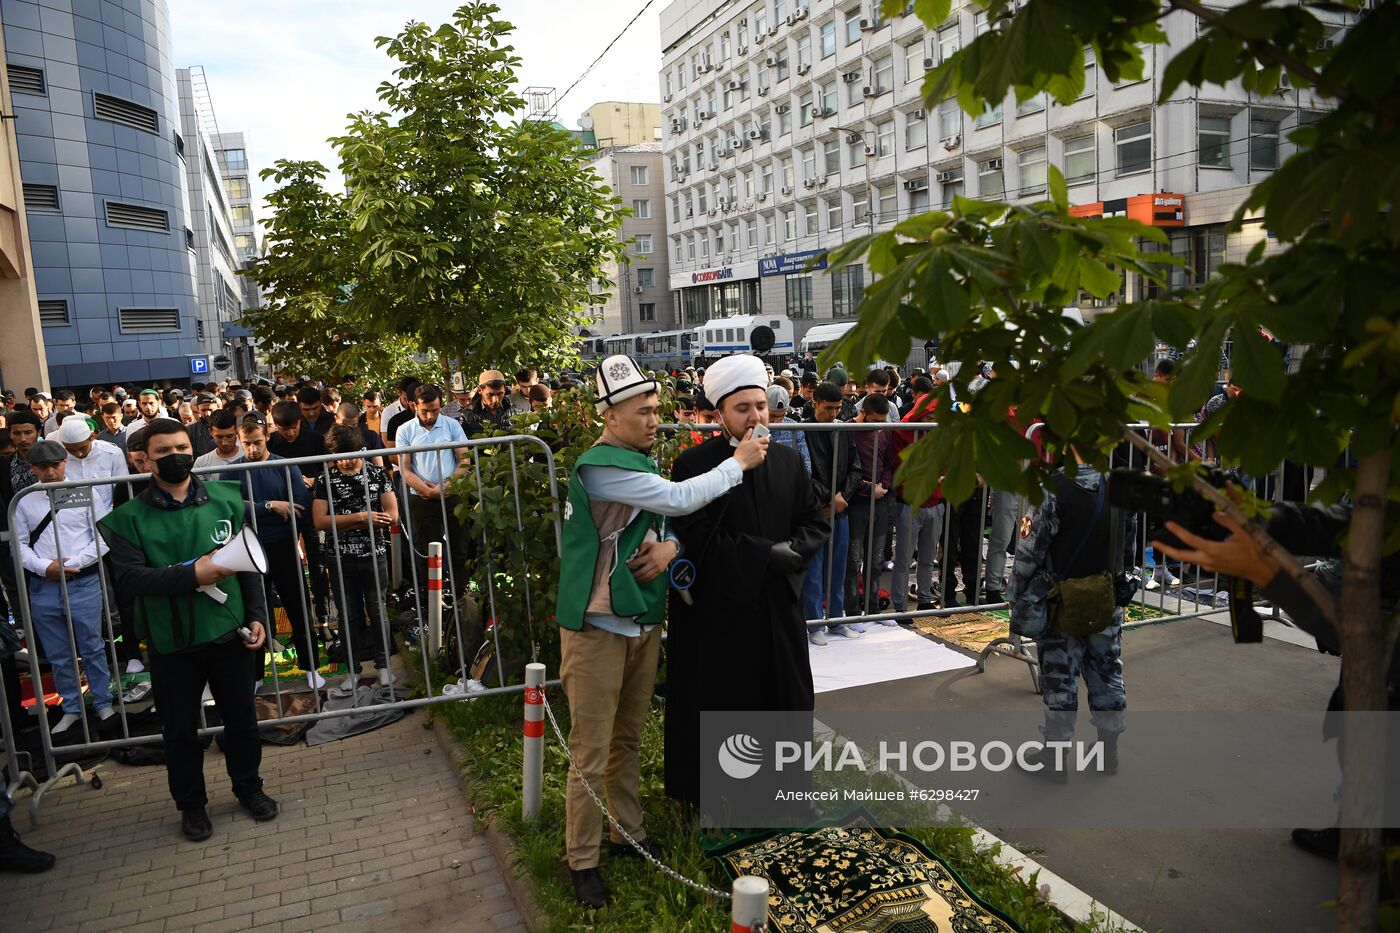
<point x="284" y="575"/>
<point x="123" y="609"/>
<point x="964" y="531"/>
<point x="178" y="681"/>
<point x="361" y="604"/>
<point x="426" y="525"/>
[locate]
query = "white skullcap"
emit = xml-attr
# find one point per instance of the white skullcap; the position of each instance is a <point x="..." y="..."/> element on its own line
<point x="620" y="378"/>
<point x="74" y="430"/>
<point x="733" y="373"/>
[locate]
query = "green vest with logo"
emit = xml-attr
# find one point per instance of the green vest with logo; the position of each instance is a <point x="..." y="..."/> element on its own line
<point x="177" y="621"/>
<point x="643" y="603"/>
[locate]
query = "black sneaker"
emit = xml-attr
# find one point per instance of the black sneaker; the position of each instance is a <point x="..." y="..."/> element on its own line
<point x="260" y="805"/>
<point x="195" y="825"/>
<point x="589" y="887"/>
<point x="625" y="850"/>
<point x="16" y="856"/>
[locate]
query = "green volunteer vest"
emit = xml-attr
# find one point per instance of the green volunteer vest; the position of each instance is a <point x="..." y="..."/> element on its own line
<point x="177" y="621"/>
<point x="644" y="603"/>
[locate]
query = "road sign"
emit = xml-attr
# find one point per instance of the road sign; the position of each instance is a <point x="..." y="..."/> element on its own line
<point x="199" y="365"/>
<point x="222" y="363"/>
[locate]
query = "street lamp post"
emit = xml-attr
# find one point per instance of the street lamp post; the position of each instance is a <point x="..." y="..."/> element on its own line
<point x="869" y="174"/>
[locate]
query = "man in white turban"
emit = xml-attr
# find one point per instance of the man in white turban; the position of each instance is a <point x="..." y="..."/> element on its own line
<point x="89" y="458"/>
<point x="743" y="624"/>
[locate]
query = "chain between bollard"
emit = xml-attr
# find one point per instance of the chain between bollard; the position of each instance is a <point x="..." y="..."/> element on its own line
<point x="655" y="862"/>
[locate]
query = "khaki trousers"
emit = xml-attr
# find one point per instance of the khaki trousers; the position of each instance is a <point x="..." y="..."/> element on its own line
<point x="608" y="679"/>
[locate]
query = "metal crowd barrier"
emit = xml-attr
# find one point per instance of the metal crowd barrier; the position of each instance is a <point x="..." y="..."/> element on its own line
<point x="78" y="494"/>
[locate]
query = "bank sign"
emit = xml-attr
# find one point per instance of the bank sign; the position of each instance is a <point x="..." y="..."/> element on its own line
<point x="788" y="263"/>
<point x="711" y="275"/>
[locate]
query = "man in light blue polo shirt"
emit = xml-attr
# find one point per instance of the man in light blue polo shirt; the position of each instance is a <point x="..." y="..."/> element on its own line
<point x="431" y="515"/>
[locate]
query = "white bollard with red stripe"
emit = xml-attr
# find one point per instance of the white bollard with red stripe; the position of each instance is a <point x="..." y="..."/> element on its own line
<point x="395" y="555"/>
<point x="534" y="741"/>
<point x="434" y="596"/>
<point x="750" y="899"/>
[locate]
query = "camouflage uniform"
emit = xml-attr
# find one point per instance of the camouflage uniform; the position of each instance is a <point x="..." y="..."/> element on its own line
<point x="1063" y="658"/>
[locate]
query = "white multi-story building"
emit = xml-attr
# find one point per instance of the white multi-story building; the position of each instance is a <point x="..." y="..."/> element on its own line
<point x="791" y="126"/>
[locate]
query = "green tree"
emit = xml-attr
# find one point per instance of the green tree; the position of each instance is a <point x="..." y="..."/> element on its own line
<point x="465" y="234"/>
<point x="990" y="280"/>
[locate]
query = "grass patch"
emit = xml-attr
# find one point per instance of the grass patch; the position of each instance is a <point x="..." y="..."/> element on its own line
<point x="488" y="731"/>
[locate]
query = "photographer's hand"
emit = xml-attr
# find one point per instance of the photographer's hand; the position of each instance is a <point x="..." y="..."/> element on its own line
<point x="1237" y="556"/>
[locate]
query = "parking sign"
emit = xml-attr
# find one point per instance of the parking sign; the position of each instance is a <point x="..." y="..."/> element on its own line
<point x="199" y="365"/>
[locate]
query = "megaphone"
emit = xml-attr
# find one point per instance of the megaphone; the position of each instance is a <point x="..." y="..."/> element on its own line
<point x="242" y="554"/>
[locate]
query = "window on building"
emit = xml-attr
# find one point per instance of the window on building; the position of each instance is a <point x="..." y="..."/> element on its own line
<point x="789" y="225"/>
<point x="676" y="210"/>
<point x="826" y="38"/>
<point x="639" y="174"/>
<point x="241" y="214"/>
<point x="915" y="130"/>
<point x="751" y="233"/>
<point x="646" y="311"/>
<point x="770" y="230"/>
<point x="914" y="62"/>
<point x="952" y="184"/>
<point x="780" y="10"/>
<point x="831" y="157"/>
<point x="1263" y="144"/>
<point x="856" y="150"/>
<point x="991" y="183"/>
<point x="244" y="242"/>
<point x="947" y="42"/>
<point x="1081" y="159"/>
<point x="883" y="74"/>
<point x="888" y="200"/>
<point x="804" y="49"/>
<point x="1034" y="105"/>
<point x="767" y="178"/>
<point x="760" y="20"/>
<point x="728" y="98"/>
<point x="990" y="116"/>
<point x="980" y="22"/>
<point x="860" y="207"/>
<point x="1213" y="142"/>
<point x="731" y="189"/>
<point x="884" y="139"/>
<point x="833" y="213"/>
<point x="1134" y="144"/>
<point x="785" y="122"/>
<point x="847" y="289"/>
<point x="723" y="47"/>
<point x="641" y="208"/>
<point x="734" y="238"/>
<point x="809" y="219"/>
<point x="749" y="189"/>
<point x="853" y="26"/>
<point x="799" y="297"/>
<point x="643" y="245"/>
<point x="1091" y="72"/>
<point x="809" y="164"/>
<point x="1201" y="251"/>
<point x="702" y="201"/>
<point x="236" y="188"/>
<point x="918" y="201"/>
<point x="646" y="278"/>
<point x="805" y="105"/>
<point x="676" y="250"/>
<point x="742" y="35"/>
<point x="681" y="76"/>
<point x="781" y="69"/>
<point x="704" y="247"/>
<point x="854" y="94"/>
<point x="764" y="80"/>
<point x="235" y="160"/>
<point x="949" y="119"/>
<point x="789" y="174"/>
<point x="1030" y="165"/>
<point x="826" y="100"/>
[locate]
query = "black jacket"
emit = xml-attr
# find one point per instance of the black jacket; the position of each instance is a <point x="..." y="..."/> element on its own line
<point x="476" y="419"/>
<point x="848" y="466"/>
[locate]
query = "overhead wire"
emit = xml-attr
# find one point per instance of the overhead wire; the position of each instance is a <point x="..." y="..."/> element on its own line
<point x="606" y="50"/>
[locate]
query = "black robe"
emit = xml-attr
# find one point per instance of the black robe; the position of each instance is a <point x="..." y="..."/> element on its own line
<point x="742" y="645"/>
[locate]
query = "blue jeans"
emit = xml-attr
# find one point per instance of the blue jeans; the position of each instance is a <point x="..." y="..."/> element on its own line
<point x="51" y="624"/>
<point x="817" y="584"/>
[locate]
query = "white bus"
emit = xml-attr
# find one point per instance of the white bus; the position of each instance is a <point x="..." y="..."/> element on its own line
<point x="821" y="336"/>
<point x="727" y="335"/>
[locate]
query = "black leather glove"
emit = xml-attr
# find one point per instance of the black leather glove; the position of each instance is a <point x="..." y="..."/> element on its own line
<point x="783" y="558"/>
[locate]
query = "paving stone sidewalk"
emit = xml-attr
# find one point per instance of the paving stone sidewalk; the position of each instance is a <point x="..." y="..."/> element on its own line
<point x="374" y="834"/>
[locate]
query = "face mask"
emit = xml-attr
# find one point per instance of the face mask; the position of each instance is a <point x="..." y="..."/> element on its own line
<point x="174" y="468"/>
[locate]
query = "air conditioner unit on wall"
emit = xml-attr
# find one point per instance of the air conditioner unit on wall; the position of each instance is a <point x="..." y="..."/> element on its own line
<point x="637" y="290"/>
<point x="783" y="108"/>
<point x="803" y="69"/>
<point x="918" y="114"/>
<point x="851" y="77"/>
<point x="763" y="92"/>
<point x="992" y="164"/>
<point x="951" y="142"/>
<point x="944" y="177"/>
<point x="734" y="85"/>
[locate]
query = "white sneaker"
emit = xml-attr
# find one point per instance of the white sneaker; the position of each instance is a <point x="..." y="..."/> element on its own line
<point x="386" y="677"/>
<point x="1162" y="574"/>
<point x="1151" y="583"/>
<point x="134" y="666"/>
<point x="845" y="630"/>
<point x="350" y="683"/>
<point x="891" y="623"/>
<point x="817" y="637"/>
<point x="314" y="680"/>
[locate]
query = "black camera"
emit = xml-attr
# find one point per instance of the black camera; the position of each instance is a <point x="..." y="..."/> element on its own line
<point x="1154" y="496"/>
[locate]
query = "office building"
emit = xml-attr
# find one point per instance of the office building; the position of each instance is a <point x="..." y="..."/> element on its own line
<point x="232" y="152"/>
<point x="792" y="126"/>
<point x="618" y="124"/>
<point x="640" y="299"/>
<point x="102" y="158"/>
<point x="22" y="360"/>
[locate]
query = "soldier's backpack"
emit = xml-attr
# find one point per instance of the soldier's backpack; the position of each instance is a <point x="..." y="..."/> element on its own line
<point x="1080" y="560"/>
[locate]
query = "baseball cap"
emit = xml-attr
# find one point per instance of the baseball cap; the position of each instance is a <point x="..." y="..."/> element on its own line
<point x="837" y="375"/>
<point x="777" y="399"/>
<point x="47" y="452"/>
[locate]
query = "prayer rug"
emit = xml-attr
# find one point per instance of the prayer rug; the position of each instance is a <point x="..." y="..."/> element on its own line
<point x="855" y="878"/>
<point x="975" y="630"/>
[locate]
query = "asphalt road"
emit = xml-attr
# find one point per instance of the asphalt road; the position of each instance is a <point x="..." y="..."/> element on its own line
<point x="1172" y="880"/>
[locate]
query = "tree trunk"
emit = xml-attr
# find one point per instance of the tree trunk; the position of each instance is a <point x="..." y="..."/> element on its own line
<point x="1364" y="664"/>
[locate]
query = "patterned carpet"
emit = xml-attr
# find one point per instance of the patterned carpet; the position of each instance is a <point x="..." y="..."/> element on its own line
<point x="974" y="630"/>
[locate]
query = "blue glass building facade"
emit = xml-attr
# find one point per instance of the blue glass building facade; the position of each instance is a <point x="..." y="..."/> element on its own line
<point x="97" y="120"/>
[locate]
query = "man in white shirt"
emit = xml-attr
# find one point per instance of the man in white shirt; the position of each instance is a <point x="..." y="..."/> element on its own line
<point x="89" y="458"/>
<point x="60" y="549"/>
<point x="393" y="408"/>
<point x="431" y="510"/>
<point x="223" y="430"/>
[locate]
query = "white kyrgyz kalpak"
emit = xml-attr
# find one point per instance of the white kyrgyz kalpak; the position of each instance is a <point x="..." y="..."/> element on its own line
<point x="620" y="378"/>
